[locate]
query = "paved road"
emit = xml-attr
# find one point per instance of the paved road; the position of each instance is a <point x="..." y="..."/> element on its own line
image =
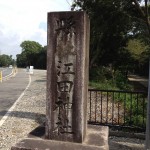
<point x="11" y="89"/>
<point x="6" y="71"/>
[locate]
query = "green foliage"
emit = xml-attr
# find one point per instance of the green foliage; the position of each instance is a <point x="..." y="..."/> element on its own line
<point x="30" y="47"/>
<point x="33" y="54"/>
<point x="136" y="48"/>
<point x="136" y="108"/>
<point x="121" y="81"/>
<point x="107" y="79"/>
<point x="107" y="85"/>
<point x="113" y="23"/>
<point x="100" y="78"/>
<point x="133" y="106"/>
<point x="22" y="60"/>
<point x="6" y="60"/>
<point x="41" y="58"/>
<point x="110" y="26"/>
<point x="100" y="74"/>
<point x="140" y="53"/>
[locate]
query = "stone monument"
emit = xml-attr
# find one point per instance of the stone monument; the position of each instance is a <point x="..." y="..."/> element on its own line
<point x="67" y="76"/>
<point x="67" y="88"/>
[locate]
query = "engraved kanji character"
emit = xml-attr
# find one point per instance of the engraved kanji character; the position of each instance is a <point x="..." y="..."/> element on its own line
<point x="65" y="25"/>
<point x="62" y="123"/>
<point x="68" y="106"/>
<point x="68" y="69"/>
<point x="65" y="86"/>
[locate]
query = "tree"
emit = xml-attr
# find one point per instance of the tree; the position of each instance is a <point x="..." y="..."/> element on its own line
<point x="32" y="54"/>
<point x="109" y="34"/>
<point x="113" y="23"/>
<point x="143" y="12"/>
<point x="30" y="48"/>
<point x="42" y="58"/>
<point x="22" y="60"/>
<point x="139" y="54"/>
<point x="6" y="60"/>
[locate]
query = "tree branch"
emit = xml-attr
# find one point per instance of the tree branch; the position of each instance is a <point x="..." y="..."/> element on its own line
<point x="137" y="5"/>
<point x="143" y="13"/>
<point x="147" y="17"/>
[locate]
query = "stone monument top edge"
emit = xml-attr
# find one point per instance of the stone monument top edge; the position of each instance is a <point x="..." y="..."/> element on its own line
<point x="51" y="12"/>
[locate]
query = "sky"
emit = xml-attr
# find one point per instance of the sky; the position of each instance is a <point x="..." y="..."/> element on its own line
<point x="22" y="20"/>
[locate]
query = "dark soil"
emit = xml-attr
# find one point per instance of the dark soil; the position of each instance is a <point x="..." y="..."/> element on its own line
<point x="138" y="87"/>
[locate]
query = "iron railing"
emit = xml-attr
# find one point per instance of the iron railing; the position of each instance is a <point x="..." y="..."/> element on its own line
<point x="123" y="109"/>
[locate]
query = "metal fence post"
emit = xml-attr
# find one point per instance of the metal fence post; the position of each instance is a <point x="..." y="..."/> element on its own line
<point x="147" y="142"/>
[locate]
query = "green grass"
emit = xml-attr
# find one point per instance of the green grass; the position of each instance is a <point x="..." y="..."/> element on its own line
<point x="137" y="116"/>
<point x="107" y="85"/>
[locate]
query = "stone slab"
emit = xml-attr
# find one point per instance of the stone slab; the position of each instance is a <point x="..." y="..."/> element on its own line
<point x="96" y="139"/>
<point x="67" y="76"/>
<point x="37" y="144"/>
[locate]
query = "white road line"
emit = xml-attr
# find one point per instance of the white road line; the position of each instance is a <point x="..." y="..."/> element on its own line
<point x="13" y="106"/>
<point x="8" y="76"/>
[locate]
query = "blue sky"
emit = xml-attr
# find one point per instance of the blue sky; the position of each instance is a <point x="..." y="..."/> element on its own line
<point x="22" y="20"/>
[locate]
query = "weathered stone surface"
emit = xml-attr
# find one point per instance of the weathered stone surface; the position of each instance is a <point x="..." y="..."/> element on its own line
<point x="96" y="139"/>
<point x="30" y="144"/>
<point x="67" y="76"/>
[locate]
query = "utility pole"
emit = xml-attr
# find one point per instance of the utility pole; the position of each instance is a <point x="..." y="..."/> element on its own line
<point x="147" y="142"/>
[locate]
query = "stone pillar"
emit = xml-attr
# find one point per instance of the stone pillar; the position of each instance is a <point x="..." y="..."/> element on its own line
<point x="67" y="76"/>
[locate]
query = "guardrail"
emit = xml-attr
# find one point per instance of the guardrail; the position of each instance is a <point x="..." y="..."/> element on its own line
<point x="121" y="109"/>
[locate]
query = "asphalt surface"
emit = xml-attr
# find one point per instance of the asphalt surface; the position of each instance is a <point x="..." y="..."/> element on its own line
<point x="11" y="90"/>
<point x="1" y="68"/>
<point x="6" y="71"/>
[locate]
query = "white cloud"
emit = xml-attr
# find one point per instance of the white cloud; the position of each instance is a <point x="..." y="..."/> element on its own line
<point x="25" y="20"/>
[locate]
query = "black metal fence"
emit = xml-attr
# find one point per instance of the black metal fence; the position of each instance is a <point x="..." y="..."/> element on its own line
<point x="123" y="109"/>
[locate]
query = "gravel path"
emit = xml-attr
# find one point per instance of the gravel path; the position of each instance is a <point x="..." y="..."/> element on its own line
<point x="30" y="112"/>
<point x="122" y="143"/>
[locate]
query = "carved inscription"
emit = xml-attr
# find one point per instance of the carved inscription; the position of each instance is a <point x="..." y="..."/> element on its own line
<point x="65" y="25"/>
<point x="65" y="62"/>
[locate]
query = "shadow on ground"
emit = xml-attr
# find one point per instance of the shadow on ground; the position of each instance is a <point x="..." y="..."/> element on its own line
<point x="39" y="118"/>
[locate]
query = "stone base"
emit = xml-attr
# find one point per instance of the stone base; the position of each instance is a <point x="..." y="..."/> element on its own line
<point x="96" y="139"/>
